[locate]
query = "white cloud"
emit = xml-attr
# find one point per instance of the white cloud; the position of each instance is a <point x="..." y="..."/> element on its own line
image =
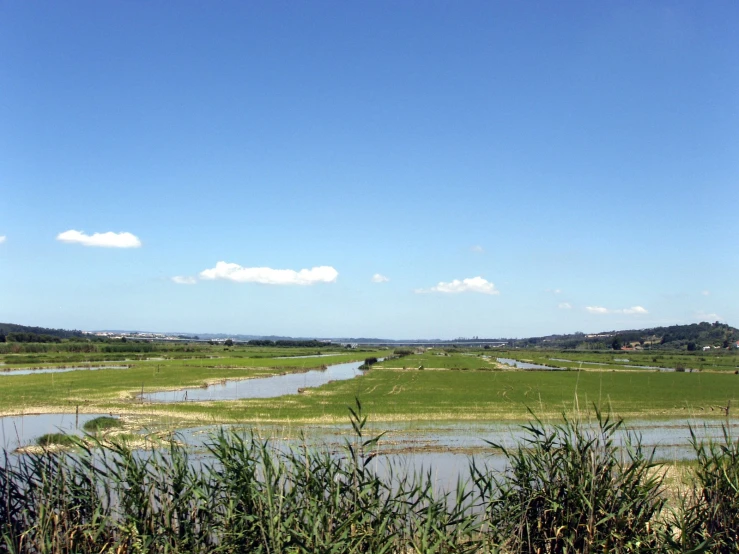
<point x="378" y="278"/>
<point x="706" y="293"/>
<point x="635" y="310"/>
<point x="180" y="280"/>
<point x="2" y="238"/>
<point x="268" y="276"/>
<point x="473" y="284"/>
<point x="564" y="306"/>
<point x="107" y="240"/>
<point x="477" y="248"/>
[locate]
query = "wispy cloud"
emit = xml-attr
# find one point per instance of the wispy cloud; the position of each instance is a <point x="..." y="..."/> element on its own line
<point x="711" y="317"/>
<point x="378" y="278"/>
<point x="269" y="276"/>
<point x="600" y="310"/>
<point x="706" y="293"/>
<point x="564" y="306"/>
<point x="105" y="240"/>
<point x="477" y="248"/>
<point x="180" y="280"/>
<point x="2" y="238"/>
<point x="633" y="310"/>
<point x="473" y="284"/>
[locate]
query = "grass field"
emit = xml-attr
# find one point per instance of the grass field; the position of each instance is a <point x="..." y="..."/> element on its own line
<point x="727" y="361"/>
<point x="392" y="395"/>
<point x="452" y="386"/>
<point x="46" y="359"/>
<point x="117" y="388"/>
<point x="721" y="360"/>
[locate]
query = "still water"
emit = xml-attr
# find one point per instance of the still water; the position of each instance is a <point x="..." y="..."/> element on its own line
<point x="264" y="387"/>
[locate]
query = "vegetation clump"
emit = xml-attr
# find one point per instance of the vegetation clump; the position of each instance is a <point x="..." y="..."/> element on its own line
<point x="368" y="363"/>
<point x="102" y="423"/>
<point x="55" y="439"/>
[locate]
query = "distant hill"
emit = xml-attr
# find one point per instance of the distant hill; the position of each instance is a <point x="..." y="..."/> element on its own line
<point x="27" y="333"/>
<point x="692" y="337"/>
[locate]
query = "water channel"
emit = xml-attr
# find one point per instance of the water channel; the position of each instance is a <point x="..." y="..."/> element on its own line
<point x="527" y="365"/>
<point x="263" y="387"/>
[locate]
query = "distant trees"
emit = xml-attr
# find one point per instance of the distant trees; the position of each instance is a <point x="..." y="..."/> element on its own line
<point x="616" y="343"/>
<point x="229" y="342"/>
<point x="9" y="328"/>
<point x="30" y="337"/>
<point x="288" y="343"/>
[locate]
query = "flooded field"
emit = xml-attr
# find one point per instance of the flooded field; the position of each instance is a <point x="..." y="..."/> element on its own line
<point x="444" y="450"/>
<point x="670" y="439"/>
<point x="624" y="365"/>
<point x="10" y="372"/>
<point x="306" y="356"/>
<point x="526" y="365"/>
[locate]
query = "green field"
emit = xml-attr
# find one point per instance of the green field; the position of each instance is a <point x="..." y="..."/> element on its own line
<point x="716" y="360"/>
<point x="118" y="388"/>
<point x="392" y="395"/>
<point x="453" y="386"/>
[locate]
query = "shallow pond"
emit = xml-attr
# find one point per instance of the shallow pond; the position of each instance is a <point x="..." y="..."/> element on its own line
<point x="443" y="451"/>
<point x="306" y="356"/>
<point x="263" y="387"/>
<point x="527" y="365"/>
<point x="17" y="431"/>
<point x="670" y="439"/>
<point x="11" y="372"/>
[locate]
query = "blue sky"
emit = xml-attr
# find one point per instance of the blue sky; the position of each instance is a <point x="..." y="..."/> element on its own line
<point x="510" y="168"/>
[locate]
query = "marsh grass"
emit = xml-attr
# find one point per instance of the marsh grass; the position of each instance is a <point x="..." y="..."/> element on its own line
<point x="568" y="488"/>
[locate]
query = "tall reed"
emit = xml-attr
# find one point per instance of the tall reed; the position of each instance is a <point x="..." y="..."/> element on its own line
<point x="707" y="516"/>
<point x="568" y="488"/>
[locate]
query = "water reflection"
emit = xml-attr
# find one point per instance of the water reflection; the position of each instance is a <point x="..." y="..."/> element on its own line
<point x="19" y="431"/>
<point x="264" y="387"/>
<point x="11" y="372"/>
